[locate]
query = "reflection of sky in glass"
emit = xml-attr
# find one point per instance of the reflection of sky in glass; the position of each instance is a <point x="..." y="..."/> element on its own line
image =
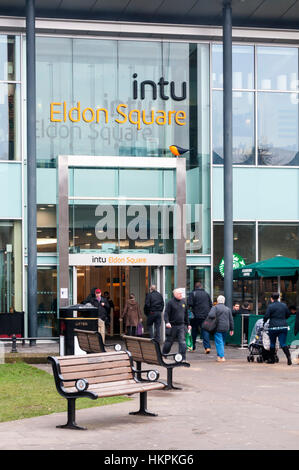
<point x="243" y="127"/>
<point x="277" y="129"/>
<point x="243" y="67"/>
<point x="277" y="68"/>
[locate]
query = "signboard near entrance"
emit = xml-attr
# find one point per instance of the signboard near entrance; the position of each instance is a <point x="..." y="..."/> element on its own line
<point x="121" y="259"/>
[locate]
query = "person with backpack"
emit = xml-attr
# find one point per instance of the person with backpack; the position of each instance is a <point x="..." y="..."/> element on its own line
<point x="200" y="304"/>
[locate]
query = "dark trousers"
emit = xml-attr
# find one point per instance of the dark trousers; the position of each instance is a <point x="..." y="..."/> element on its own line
<point x="197" y="323"/>
<point x="154" y="325"/>
<point x="281" y="335"/>
<point x="131" y="330"/>
<point x="175" y="332"/>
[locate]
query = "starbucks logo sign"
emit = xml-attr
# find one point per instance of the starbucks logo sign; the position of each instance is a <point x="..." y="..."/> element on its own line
<point x="238" y="262"/>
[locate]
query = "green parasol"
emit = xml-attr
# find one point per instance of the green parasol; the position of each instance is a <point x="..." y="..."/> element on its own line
<point x="279" y="266"/>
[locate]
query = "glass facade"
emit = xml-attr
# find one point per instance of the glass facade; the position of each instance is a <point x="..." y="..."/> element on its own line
<point x="125" y="98"/>
<point x="10" y="99"/>
<point x="265" y="105"/>
<point x="244" y="246"/>
<point x="93" y="75"/>
<point x="134" y="98"/>
<point x="11" y="288"/>
<point x="256" y="241"/>
<point x="47" y="302"/>
<point x="11" y="242"/>
<point x="46" y="228"/>
<point x="199" y="274"/>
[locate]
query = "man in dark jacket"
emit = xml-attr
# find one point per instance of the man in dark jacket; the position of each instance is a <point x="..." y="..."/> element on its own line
<point x="293" y="310"/>
<point x="95" y="298"/>
<point x="277" y="314"/>
<point x="177" y="322"/>
<point x="153" y="308"/>
<point x="200" y="303"/>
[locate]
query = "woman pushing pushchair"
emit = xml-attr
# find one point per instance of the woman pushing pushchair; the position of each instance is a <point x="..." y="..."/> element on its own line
<point x="277" y="314"/>
<point x="259" y="344"/>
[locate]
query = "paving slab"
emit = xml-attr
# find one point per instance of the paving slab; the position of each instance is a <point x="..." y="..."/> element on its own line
<point x="231" y="405"/>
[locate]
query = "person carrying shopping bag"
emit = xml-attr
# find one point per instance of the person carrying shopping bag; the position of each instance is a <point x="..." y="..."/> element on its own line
<point x="131" y="315"/>
<point x="224" y="324"/>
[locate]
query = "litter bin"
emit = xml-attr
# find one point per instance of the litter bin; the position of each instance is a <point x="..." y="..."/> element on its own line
<point x="72" y="317"/>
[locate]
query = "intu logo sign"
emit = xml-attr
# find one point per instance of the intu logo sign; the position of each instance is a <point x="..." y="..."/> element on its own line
<point x="163" y="89"/>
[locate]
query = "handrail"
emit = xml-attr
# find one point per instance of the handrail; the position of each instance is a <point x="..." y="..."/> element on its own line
<point x="14" y="340"/>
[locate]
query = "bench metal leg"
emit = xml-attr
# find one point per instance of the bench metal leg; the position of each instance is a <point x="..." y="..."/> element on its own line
<point x="143" y="406"/>
<point x="170" y="385"/>
<point x="71" y="416"/>
<point x="138" y="367"/>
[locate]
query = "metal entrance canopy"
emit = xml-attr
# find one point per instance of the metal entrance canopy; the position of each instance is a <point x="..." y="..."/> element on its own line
<point x="249" y="13"/>
<point x="65" y="259"/>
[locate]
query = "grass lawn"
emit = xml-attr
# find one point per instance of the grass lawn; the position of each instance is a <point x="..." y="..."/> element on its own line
<point x="26" y="391"/>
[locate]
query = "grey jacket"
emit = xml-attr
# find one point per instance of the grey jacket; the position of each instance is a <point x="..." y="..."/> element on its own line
<point x="224" y="316"/>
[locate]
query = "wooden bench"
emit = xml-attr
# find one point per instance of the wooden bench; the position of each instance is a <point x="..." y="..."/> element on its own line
<point x="148" y="350"/>
<point x="100" y="375"/>
<point x="92" y="342"/>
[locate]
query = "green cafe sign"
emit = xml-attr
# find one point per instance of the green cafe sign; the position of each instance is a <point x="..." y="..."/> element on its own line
<point x="238" y="262"/>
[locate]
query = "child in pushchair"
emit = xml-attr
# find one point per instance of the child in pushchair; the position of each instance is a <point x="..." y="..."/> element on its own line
<point x="259" y="344"/>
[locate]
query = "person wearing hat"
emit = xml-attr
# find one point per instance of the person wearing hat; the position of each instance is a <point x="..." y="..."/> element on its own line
<point x="95" y="298"/>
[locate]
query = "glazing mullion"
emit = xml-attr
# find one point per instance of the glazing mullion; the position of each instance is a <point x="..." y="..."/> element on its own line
<point x="255" y="107"/>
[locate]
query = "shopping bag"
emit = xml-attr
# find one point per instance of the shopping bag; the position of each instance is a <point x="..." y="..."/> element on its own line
<point x="189" y="342"/>
<point x="139" y="329"/>
<point x="210" y="324"/>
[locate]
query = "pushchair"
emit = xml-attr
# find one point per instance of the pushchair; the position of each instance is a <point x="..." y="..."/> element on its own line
<point x="259" y="344"/>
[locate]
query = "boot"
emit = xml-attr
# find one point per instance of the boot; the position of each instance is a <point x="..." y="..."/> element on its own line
<point x="271" y="359"/>
<point x="288" y="355"/>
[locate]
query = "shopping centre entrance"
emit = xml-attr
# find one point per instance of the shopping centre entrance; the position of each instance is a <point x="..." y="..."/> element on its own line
<point x="118" y="220"/>
<point x="119" y="282"/>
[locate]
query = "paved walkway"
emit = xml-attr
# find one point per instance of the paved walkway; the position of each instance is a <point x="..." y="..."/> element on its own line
<point x="231" y="405"/>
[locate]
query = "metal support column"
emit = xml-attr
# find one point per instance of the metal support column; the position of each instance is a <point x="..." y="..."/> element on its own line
<point x="181" y="265"/>
<point x="228" y="147"/>
<point x="31" y="167"/>
<point x="63" y="230"/>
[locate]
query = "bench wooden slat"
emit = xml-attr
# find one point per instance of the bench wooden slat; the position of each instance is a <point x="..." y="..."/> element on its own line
<point x="111" y="384"/>
<point x="87" y="367"/>
<point x="129" y="390"/>
<point x="148" y="351"/>
<point x="89" y="358"/>
<point x="142" y="349"/>
<point x="119" y="385"/>
<point x="94" y="380"/>
<point x="109" y="355"/>
<point x="96" y="365"/>
<point x="150" y="356"/>
<point x="97" y="373"/>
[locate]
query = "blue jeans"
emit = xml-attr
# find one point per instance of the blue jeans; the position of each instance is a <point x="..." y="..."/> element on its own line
<point x="281" y="335"/>
<point x="219" y="339"/>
